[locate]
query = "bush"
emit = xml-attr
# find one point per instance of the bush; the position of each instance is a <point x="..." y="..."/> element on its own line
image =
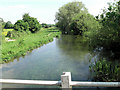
<point x="34" y="25"/>
<point x="104" y="70"/>
<point x="27" y="24"/>
<point x="8" y="25"/>
<point x="15" y="34"/>
<point x="43" y="24"/>
<point x="20" y="25"/>
<point x="9" y="34"/>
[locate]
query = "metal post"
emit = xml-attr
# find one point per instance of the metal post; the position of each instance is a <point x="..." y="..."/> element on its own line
<point x="66" y="80"/>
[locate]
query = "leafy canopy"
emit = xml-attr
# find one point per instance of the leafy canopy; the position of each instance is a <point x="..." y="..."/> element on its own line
<point x="83" y="22"/>
<point x="108" y="36"/>
<point x="27" y="23"/>
<point x="66" y="13"/>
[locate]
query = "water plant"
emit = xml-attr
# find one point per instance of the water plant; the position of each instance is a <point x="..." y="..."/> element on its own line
<point x="104" y="70"/>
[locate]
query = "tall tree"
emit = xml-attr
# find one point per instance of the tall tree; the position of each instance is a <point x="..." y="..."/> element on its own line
<point x="65" y="14"/>
<point x="108" y="36"/>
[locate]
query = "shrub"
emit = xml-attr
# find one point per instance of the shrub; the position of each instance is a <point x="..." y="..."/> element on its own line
<point x="8" y="25"/>
<point x="34" y="25"/>
<point x="104" y="70"/>
<point x="20" y="25"/>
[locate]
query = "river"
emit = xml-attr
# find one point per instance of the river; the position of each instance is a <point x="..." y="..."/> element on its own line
<point x="64" y="54"/>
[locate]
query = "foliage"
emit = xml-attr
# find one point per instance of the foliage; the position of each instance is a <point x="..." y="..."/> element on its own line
<point x="5" y="31"/>
<point x="66" y="13"/>
<point x="47" y="25"/>
<point x="83" y="23"/>
<point x="15" y="34"/>
<point x="20" y="25"/>
<point x="8" y="25"/>
<point x="34" y="25"/>
<point x="43" y="24"/>
<point x="1" y="19"/>
<point x="2" y="23"/>
<point x="27" y="24"/>
<point x="108" y="35"/>
<point x="104" y="70"/>
<point x="11" y="50"/>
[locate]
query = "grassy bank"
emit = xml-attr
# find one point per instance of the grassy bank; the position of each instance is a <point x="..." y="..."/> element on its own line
<point x="5" y="31"/>
<point x="11" y="50"/>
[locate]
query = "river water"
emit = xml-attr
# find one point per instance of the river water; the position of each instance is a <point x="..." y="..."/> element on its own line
<point x="64" y="54"/>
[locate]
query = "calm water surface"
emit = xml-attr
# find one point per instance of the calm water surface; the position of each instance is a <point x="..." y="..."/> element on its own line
<point x="65" y="54"/>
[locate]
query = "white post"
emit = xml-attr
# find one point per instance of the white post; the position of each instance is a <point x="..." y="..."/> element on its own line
<point x="66" y="80"/>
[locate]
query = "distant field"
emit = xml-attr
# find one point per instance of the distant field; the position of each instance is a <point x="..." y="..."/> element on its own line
<point x="5" y="31"/>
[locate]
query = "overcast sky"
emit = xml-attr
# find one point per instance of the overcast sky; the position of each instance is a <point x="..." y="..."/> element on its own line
<point x="43" y="10"/>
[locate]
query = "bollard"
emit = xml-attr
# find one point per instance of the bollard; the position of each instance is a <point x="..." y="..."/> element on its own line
<point x="66" y="80"/>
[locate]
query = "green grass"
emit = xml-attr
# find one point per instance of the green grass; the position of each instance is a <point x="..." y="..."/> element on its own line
<point x="6" y="30"/>
<point x="11" y="50"/>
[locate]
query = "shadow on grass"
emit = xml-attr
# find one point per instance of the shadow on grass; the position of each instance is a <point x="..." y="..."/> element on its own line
<point x="53" y="31"/>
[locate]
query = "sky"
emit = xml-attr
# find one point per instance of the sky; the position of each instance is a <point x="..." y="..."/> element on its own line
<point x="43" y="10"/>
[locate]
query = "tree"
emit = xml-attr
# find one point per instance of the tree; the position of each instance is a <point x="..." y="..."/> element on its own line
<point x="26" y="17"/>
<point x="83" y="22"/>
<point x="34" y="25"/>
<point x="1" y="19"/>
<point x="65" y="14"/>
<point x="20" y="25"/>
<point x="43" y="24"/>
<point x="2" y="23"/>
<point x="108" y="36"/>
<point x="8" y="25"/>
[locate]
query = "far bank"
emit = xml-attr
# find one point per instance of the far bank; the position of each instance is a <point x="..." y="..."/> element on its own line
<point x="25" y="43"/>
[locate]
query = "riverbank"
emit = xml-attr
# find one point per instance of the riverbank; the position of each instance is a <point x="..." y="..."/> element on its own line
<point x="11" y="50"/>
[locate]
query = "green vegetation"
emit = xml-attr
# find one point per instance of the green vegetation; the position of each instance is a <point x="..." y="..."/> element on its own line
<point x="2" y="23"/>
<point x="8" y="25"/>
<point x="27" y="24"/>
<point x="20" y="25"/>
<point x="83" y="22"/>
<point x="66" y="13"/>
<point x="104" y="70"/>
<point x="44" y="25"/>
<point x="27" y="36"/>
<point x="108" y="35"/>
<point x="11" y="50"/>
<point x="101" y="33"/>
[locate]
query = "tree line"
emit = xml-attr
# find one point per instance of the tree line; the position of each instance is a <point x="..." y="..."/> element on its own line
<point x="27" y="23"/>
